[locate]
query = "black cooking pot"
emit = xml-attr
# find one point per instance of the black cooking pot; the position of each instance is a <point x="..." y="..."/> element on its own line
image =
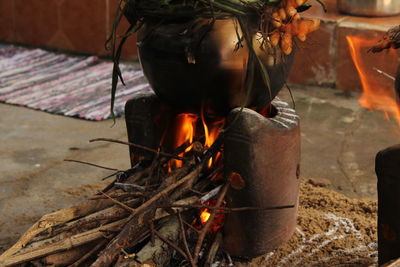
<point x="188" y="65"/>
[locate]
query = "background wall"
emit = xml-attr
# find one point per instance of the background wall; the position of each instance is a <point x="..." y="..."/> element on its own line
<point x="83" y="26"/>
<point x="72" y="25"/>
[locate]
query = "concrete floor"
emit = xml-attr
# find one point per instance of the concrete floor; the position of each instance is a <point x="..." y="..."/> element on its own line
<point x="340" y="140"/>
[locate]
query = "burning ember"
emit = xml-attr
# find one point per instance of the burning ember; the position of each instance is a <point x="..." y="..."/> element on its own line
<point x="375" y="96"/>
<point x="205" y="214"/>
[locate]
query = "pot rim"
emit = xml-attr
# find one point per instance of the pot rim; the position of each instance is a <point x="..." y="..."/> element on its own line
<point x="369" y="8"/>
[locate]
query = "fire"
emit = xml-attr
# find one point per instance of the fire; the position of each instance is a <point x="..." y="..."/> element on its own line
<point x="210" y="135"/>
<point x="375" y="96"/>
<point x="204" y="216"/>
<point x="186" y="127"/>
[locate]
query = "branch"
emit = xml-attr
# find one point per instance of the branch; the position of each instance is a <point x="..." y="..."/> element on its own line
<point x="138" y="147"/>
<point x="185" y="243"/>
<point x="92" y="164"/>
<point x="226" y="209"/>
<point x="65" y="244"/>
<point x="158" y="253"/>
<point x="207" y="226"/>
<point x="119" y="203"/>
<point x="143" y="214"/>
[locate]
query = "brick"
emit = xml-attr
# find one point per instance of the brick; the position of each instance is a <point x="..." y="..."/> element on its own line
<point x="61" y="42"/>
<point x="7" y="26"/>
<point x="130" y="48"/>
<point x="84" y="24"/>
<point x="36" y="21"/>
<point x="315" y="58"/>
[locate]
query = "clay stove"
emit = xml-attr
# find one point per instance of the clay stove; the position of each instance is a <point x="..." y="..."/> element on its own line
<point x="263" y="152"/>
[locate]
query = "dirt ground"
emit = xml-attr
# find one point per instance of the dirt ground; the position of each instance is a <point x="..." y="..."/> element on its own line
<point x="333" y="230"/>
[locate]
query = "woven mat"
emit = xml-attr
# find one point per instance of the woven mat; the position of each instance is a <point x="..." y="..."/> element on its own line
<point x="64" y="84"/>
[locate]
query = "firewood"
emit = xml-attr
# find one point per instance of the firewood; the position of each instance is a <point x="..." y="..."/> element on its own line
<point x="159" y="252"/>
<point x="118" y="195"/>
<point x="184" y="241"/>
<point x="89" y="254"/>
<point x="100" y="217"/>
<point x="160" y="213"/>
<point x="99" y="213"/>
<point x="207" y="226"/>
<point x="67" y="257"/>
<point x="143" y="214"/>
<point x="56" y="241"/>
<point x="62" y="245"/>
<point x="137" y="146"/>
<point x="394" y="263"/>
<point x="53" y="219"/>
<point x="124" y="221"/>
<point x="214" y="249"/>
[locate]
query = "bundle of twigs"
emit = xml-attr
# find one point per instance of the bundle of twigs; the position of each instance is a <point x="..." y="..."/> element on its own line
<point x="142" y="217"/>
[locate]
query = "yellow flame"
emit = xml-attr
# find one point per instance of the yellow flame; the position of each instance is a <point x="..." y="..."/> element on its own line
<point x="185" y="130"/>
<point x="185" y="126"/>
<point x="204" y="216"/>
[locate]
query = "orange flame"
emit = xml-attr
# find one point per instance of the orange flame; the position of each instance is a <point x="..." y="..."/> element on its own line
<point x="204" y="216"/>
<point x="375" y="96"/>
<point x="211" y="135"/>
<point x="185" y="125"/>
<point x="185" y="131"/>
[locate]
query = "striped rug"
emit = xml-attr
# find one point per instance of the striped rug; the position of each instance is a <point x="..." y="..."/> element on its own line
<point x="64" y="84"/>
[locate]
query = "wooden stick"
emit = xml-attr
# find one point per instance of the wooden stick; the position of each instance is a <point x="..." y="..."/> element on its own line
<point x="104" y="216"/>
<point x="92" y="164"/>
<point x="65" y="258"/>
<point x="394" y="263"/>
<point x="191" y="227"/>
<point x="158" y="253"/>
<point x="152" y="236"/>
<point x="53" y="219"/>
<point x="207" y="226"/>
<point x="45" y="247"/>
<point x="171" y="244"/>
<point x="117" y="195"/>
<point x="90" y="253"/>
<point x="138" y="146"/>
<point x="213" y="249"/>
<point x="185" y="243"/>
<point x="210" y="194"/>
<point x="65" y="244"/>
<point x="142" y="214"/>
<point x="119" y="203"/>
<point x="226" y="209"/>
<point x="161" y="213"/>
<point x="131" y="179"/>
<point x="100" y="217"/>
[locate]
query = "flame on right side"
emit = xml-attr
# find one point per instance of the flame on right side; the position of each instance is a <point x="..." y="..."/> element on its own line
<point x="375" y="96"/>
